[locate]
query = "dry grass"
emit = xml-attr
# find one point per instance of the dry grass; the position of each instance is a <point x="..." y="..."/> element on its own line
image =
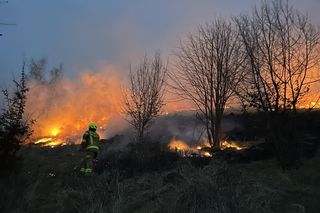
<point x="216" y="187"/>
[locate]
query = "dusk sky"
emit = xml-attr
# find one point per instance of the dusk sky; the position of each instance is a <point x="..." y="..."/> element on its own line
<point x="88" y="34"/>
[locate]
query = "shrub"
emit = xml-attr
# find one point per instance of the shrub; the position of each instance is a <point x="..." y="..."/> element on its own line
<point x="14" y="130"/>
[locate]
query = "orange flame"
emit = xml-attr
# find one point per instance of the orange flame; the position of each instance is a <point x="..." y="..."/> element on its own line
<point x="227" y="144"/>
<point x="185" y="150"/>
<point x="55" y="131"/>
<point x="64" y="109"/>
<point x="50" y="142"/>
<point x="178" y="145"/>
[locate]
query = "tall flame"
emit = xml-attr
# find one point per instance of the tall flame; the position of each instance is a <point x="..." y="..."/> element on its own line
<point x="64" y="109"/>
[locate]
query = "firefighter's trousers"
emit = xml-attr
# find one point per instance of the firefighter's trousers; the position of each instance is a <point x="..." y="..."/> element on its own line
<point x="87" y="162"/>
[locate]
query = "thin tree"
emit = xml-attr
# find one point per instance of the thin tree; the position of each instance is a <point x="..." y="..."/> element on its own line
<point x="143" y="98"/>
<point x="38" y="78"/>
<point x="209" y="68"/>
<point x="37" y="70"/>
<point x="281" y="47"/>
<point x="14" y="128"/>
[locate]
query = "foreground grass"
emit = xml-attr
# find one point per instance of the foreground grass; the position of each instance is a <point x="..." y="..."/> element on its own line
<point x="46" y="182"/>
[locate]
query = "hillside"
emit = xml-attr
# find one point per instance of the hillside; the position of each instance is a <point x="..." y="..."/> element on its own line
<point x="45" y="182"/>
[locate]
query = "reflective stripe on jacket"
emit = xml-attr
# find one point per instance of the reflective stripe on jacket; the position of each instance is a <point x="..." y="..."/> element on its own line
<point x="90" y="140"/>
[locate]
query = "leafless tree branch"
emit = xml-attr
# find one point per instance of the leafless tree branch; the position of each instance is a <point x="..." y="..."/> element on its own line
<point x="210" y="66"/>
<point x="143" y="98"/>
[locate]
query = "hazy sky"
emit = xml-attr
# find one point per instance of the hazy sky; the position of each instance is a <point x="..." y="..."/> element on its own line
<point x="87" y="34"/>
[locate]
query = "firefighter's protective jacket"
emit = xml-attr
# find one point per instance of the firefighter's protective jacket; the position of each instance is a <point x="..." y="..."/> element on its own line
<point x="90" y="141"/>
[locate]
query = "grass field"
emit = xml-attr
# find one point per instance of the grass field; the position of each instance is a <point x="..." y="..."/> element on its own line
<point x="45" y="182"/>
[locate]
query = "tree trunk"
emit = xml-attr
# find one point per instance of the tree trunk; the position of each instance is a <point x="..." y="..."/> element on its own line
<point x="216" y="140"/>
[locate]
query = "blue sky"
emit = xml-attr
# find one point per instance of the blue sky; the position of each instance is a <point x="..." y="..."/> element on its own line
<point x="88" y="34"/>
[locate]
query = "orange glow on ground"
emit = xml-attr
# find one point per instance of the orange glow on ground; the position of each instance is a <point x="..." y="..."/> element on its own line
<point x="229" y="144"/>
<point x="178" y="145"/>
<point x="43" y="140"/>
<point x="202" y="150"/>
<point x="185" y="150"/>
<point x="52" y="142"/>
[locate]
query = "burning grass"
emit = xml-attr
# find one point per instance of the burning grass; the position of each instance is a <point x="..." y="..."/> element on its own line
<point x="202" y="150"/>
<point x="51" y="142"/>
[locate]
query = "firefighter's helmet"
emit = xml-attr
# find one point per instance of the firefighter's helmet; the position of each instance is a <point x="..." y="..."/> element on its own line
<point x="92" y="126"/>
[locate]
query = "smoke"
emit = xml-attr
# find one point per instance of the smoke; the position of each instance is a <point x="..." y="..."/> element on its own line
<point x="185" y="126"/>
<point x="65" y="107"/>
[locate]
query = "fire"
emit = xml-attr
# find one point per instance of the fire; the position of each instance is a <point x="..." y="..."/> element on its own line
<point x="50" y="142"/>
<point x="187" y="151"/>
<point x="207" y="154"/>
<point x="55" y="131"/>
<point x="43" y="140"/>
<point x="200" y="150"/>
<point x="226" y="144"/>
<point x="178" y="145"/>
<point x="309" y="105"/>
<point x="311" y="99"/>
<point x="64" y="109"/>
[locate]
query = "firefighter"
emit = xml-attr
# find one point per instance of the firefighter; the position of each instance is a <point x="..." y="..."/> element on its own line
<point x="90" y="144"/>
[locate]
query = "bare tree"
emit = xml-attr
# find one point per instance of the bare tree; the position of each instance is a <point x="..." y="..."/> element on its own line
<point x="209" y="68"/>
<point x="56" y="74"/>
<point x="38" y="79"/>
<point x="143" y="98"/>
<point x="37" y="70"/>
<point x="281" y="46"/>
